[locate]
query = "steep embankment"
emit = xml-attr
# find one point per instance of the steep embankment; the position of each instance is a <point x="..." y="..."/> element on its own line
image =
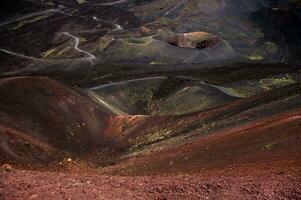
<point x="41" y="120"/>
<point x="248" y="148"/>
<point x="249" y="132"/>
<point x="41" y="115"/>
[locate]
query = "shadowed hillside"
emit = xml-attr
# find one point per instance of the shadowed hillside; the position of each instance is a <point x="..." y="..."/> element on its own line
<point x="150" y="99"/>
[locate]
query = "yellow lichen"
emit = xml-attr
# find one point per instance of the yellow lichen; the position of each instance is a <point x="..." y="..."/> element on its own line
<point x="26" y="22"/>
<point x="63" y="51"/>
<point x="81" y="1"/>
<point x="270" y="83"/>
<point x="48" y="53"/>
<point x="255" y="56"/>
<point x="252" y="87"/>
<point x="150" y="138"/>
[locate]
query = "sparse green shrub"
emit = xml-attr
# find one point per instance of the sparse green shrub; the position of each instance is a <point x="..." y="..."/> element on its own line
<point x="270" y="47"/>
<point x="30" y="21"/>
<point x="259" y="33"/>
<point x="150" y="138"/>
<point x="267" y="147"/>
<point x="271" y="83"/>
<point x="256" y="56"/>
<point x="81" y="1"/>
<point x="144" y="95"/>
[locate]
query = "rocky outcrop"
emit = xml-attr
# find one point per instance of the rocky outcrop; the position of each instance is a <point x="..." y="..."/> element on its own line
<point x="196" y="40"/>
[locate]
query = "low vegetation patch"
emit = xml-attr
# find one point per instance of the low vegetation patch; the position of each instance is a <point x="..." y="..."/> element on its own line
<point x="145" y="96"/>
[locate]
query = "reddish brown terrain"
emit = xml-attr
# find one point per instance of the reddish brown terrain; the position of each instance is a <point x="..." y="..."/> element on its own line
<point x="232" y="182"/>
<point x="244" y="149"/>
<point x="150" y="99"/>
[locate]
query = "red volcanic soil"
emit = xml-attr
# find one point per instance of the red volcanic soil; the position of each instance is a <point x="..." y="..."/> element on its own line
<point x="272" y="142"/>
<point x="41" y="120"/>
<point x="233" y="182"/>
<point x="246" y="149"/>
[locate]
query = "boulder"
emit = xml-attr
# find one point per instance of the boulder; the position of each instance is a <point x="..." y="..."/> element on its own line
<point x="195" y="40"/>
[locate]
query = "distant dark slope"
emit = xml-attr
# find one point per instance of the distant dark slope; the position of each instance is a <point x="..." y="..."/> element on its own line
<point x="109" y="13"/>
<point x="254" y="31"/>
<point x="283" y="26"/>
<point x="243" y="24"/>
<point x="39" y="32"/>
<point x="18" y="7"/>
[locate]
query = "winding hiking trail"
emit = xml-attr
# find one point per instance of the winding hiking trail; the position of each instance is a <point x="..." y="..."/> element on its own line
<point x="219" y="88"/>
<point x="113" y="3"/>
<point x="127" y="81"/>
<point x="118" y="26"/>
<point x="20" y="55"/>
<point x="174" y="8"/>
<point x="111" y="108"/>
<point x="90" y="57"/>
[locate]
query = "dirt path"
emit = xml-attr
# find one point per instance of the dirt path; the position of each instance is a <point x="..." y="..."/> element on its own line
<point x="113" y="3"/>
<point x="117" y="26"/>
<point x="229" y="184"/>
<point x="90" y="57"/>
<point x="174" y="8"/>
<point x="111" y="108"/>
<point x="20" y="55"/>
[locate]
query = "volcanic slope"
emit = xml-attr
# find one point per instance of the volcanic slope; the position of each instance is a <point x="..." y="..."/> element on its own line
<point x="265" y="31"/>
<point x="79" y="123"/>
<point x="246" y="138"/>
<point x="256" y="30"/>
<point x="163" y="95"/>
<point x="41" y="120"/>
<point x="261" y="131"/>
<point x="43" y="113"/>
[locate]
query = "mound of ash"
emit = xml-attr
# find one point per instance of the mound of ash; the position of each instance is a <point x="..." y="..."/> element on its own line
<point x="42" y="119"/>
<point x="198" y="40"/>
<point x="19" y="7"/>
<point x="162" y="95"/>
